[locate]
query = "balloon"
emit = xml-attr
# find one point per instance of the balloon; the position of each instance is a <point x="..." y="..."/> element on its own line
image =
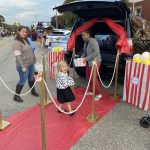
<point x="147" y="62"/>
<point x="55" y="49"/>
<point x="137" y="58"/>
<point x="60" y="48"/>
<point x="145" y="56"/>
<point x="146" y="53"/>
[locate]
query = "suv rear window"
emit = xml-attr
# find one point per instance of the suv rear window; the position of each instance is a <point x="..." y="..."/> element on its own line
<point x="106" y="41"/>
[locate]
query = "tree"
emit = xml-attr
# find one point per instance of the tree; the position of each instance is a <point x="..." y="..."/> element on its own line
<point x="68" y="1"/>
<point x="12" y="28"/>
<point x="125" y="1"/>
<point x="2" y="19"/>
<point x="65" y="20"/>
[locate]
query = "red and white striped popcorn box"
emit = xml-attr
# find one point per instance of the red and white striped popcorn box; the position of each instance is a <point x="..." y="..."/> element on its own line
<point x="53" y="58"/>
<point x="137" y="85"/>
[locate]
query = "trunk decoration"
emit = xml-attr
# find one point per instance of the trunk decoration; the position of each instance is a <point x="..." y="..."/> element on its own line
<point x="122" y="43"/>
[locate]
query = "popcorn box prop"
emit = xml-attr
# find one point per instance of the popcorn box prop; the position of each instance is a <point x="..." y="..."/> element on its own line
<point x="79" y="62"/>
<point x="137" y="85"/>
<point x="53" y="59"/>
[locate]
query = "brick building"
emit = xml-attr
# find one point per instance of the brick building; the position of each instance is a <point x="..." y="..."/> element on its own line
<point x="140" y="8"/>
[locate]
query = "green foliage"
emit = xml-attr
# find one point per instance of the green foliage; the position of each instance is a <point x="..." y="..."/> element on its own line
<point x="65" y="20"/>
<point x="125" y="1"/>
<point x="68" y="1"/>
<point x="12" y="28"/>
<point x="2" y="18"/>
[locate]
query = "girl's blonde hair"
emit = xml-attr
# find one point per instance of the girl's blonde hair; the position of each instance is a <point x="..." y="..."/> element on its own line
<point x="59" y="65"/>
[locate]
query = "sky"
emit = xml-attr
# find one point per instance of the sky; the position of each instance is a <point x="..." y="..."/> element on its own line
<point x="28" y="11"/>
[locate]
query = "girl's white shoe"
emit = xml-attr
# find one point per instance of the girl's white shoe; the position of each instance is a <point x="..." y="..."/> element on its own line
<point x="97" y="97"/>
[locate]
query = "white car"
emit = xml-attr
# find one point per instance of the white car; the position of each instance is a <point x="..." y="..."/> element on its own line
<point x="55" y="35"/>
<point x="61" y="42"/>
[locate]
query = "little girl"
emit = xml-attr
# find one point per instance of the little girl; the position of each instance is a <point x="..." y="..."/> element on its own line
<point x="64" y="85"/>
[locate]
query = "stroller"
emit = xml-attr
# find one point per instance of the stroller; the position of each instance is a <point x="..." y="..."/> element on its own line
<point x="145" y="121"/>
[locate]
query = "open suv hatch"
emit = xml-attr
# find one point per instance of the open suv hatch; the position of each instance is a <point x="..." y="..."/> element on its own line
<point x="85" y="11"/>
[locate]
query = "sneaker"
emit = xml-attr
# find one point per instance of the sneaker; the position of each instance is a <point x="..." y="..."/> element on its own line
<point x="89" y="93"/>
<point x="97" y="97"/>
<point x="60" y="111"/>
<point x="72" y="114"/>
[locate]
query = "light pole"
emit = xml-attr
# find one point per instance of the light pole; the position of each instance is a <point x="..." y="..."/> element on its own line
<point x="56" y="20"/>
<point x="36" y="18"/>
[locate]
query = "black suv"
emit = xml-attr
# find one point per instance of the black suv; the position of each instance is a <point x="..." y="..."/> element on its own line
<point x="87" y="10"/>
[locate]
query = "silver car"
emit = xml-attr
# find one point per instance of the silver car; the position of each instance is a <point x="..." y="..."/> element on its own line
<point x="61" y="42"/>
<point x="56" y="34"/>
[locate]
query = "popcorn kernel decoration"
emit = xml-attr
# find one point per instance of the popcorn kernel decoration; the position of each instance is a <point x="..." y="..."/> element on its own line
<point x="145" y="58"/>
<point x="137" y="58"/>
<point x="147" y="62"/>
<point x="57" y="49"/>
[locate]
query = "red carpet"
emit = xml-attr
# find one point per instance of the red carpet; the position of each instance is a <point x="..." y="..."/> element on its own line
<point x="62" y="131"/>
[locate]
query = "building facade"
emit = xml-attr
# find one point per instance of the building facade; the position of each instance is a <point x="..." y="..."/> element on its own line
<point x="140" y="8"/>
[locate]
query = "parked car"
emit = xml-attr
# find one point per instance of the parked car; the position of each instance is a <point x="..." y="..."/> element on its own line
<point x="86" y="11"/>
<point x="55" y="35"/>
<point x="61" y="42"/>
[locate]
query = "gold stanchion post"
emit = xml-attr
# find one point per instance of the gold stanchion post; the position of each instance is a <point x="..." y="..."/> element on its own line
<point x="3" y="124"/>
<point x="42" y="108"/>
<point x="46" y="100"/>
<point x="75" y="86"/>
<point x="116" y="79"/>
<point x="93" y="117"/>
<point x="73" y="63"/>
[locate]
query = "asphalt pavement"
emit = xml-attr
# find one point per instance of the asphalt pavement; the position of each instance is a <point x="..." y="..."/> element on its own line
<point x="118" y="130"/>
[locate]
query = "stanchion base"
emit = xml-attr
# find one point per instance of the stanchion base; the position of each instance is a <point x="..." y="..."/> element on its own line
<point x="46" y="102"/>
<point x="115" y="97"/>
<point x="93" y="118"/>
<point x="4" y="124"/>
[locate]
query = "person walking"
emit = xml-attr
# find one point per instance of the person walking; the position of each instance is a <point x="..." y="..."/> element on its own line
<point x="25" y="59"/>
<point x="47" y="31"/>
<point x="64" y="85"/>
<point x="91" y="51"/>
